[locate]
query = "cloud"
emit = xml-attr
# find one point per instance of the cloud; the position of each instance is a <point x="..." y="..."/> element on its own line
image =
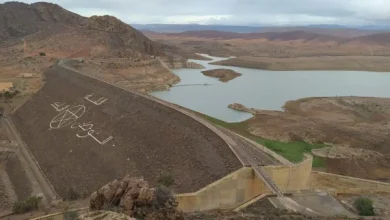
<point x="238" y="12"/>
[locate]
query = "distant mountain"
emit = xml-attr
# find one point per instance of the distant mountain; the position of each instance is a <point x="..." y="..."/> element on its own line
<point x="382" y="39"/>
<point x="176" y="28"/>
<point x="271" y="36"/>
<point x="327" y="29"/>
<point x="336" y="31"/>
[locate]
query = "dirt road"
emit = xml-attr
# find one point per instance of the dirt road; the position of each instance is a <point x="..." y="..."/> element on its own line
<point x="38" y="180"/>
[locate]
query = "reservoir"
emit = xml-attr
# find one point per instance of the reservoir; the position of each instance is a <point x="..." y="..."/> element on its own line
<point x="267" y="90"/>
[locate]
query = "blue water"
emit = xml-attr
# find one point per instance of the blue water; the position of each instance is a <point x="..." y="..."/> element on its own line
<point x="267" y="90"/>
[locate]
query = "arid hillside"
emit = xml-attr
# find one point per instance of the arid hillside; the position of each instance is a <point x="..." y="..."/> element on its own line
<point x="321" y="49"/>
<point x="44" y="21"/>
<point x="34" y="35"/>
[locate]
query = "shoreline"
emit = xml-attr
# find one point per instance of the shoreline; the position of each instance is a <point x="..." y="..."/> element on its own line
<point x="325" y="63"/>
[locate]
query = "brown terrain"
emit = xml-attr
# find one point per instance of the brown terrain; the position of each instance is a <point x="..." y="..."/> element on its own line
<point x="352" y="122"/>
<point x="224" y="75"/>
<point x="34" y="36"/>
<point x="290" y="49"/>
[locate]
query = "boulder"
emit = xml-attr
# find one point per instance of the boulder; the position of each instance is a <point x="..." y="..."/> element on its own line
<point x="133" y="197"/>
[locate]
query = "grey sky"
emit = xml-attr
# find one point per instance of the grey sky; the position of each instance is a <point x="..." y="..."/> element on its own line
<point x="236" y="12"/>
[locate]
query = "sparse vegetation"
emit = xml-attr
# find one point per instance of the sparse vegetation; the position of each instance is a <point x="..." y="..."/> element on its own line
<point x="28" y="205"/>
<point x="72" y="194"/>
<point x="364" y="206"/>
<point x="163" y="194"/>
<point x="9" y="95"/>
<point x="70" y="215"/>
<point x="292" y="151"/>
<point x="166" y="180"/>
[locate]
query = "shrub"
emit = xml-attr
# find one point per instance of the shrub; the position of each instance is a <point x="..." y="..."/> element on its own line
<point x="42" y="54"/>
<point x="7" y="95"/>
<point x="10" y="95"/>
<point x="163" y="195"/>
<point x="28" y="205"/>
<point x="70" y="215"/>
<point x="364" y="206"/>
<point x="72" y="194"/>
<point x="166" y="180"/>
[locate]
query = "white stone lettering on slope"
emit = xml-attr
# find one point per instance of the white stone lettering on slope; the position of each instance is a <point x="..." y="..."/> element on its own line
<point x="59" y="107"/>
<point x="70" y="115"/>
<point x="88" y="127"/>
<point x="98" y="101"/>
<point x="67" y="117"/>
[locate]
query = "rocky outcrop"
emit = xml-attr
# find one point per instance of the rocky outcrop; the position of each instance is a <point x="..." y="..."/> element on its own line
<point x="224" y="75"/>
<point x="184" y="64"/>
<point x="133" y="197"/>
<point x="242" y="108"/>
<point x="104" y="215"/>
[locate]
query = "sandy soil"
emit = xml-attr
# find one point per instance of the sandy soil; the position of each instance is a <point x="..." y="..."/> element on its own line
<point x="149" y="139"/>
<point x="354" y="122"/>
<point x="224" y="75"/>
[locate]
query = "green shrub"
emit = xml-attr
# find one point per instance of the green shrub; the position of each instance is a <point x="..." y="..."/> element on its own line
<point x="42" y="54"/>
<point x="166" y="180"/>
<point x="364" y="206"/>
<point x="70" y="215"/>
<point x="163" y="195"/>
<point x="8" y="95"/>
<point x="72" y="194"/>
<point x="28" y="205"/>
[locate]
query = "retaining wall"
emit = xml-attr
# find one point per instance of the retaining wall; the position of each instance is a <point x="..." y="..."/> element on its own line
<point x="243" y="185"/>
<point x="337" y="184"/>
<point x="291" y="177"/>
<point x="228" y="192"/>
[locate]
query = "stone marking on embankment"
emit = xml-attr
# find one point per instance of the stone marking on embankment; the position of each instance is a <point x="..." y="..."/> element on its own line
<point x="69" y="116"/>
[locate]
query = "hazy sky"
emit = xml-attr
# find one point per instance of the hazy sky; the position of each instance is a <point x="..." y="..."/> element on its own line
<point x="237" y="12"/>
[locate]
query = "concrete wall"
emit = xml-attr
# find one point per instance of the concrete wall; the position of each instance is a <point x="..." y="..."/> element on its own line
<point x="243" y="185"/>
<point x="336" y="184"/>
<point x="291" y="177"/>
<point x="228" y="192"/>
<point x="60" y="215"/>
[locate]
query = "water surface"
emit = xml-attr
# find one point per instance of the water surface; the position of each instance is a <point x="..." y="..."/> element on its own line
<point x="268" y="90"/>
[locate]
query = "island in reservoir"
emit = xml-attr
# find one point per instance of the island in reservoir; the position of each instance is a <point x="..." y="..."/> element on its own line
<point x="224" y="75"/>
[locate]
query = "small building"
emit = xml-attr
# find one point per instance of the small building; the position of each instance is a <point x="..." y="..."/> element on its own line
<point x="27" y="75"/>
<point x="6" y="86"/>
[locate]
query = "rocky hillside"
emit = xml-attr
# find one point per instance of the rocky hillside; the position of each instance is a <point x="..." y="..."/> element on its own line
<point x="44" y="24"/>
<point x="34" y="35"/>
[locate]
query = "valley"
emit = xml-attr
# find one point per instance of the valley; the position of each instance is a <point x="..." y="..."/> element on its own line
<point x="202" y="123"/>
